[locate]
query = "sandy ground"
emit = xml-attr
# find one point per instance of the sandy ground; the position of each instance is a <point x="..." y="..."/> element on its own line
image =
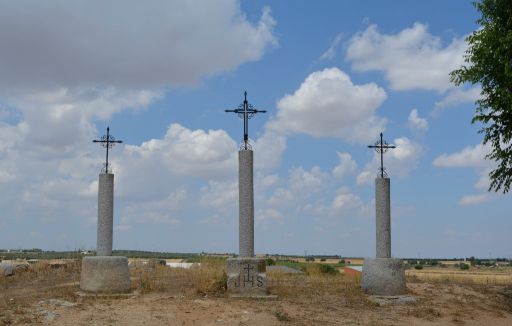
<point x="302" y="300"/>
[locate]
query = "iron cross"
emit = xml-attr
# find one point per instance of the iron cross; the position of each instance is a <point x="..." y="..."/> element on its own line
<point x="246" y="111"/>
<point x="381" y="147"/>
<point x="107" y="141"/>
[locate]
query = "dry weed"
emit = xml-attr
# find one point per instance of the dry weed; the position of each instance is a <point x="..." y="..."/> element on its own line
<point x="207" y="278"/>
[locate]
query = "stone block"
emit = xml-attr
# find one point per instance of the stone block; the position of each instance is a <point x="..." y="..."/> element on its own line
<point x="105" y="274"/>
<point x="247" y="277"/>
<point x="383" y="276"/>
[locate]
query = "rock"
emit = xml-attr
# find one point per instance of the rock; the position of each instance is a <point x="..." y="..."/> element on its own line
<point x="7" y="268"/>
<point x="384" y="300"/>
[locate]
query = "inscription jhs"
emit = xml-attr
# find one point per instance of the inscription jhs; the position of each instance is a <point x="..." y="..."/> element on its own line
<point x="248" y="279"/>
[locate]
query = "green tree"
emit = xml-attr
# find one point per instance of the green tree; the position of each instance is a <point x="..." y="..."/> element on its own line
<point x="488" y="62"/>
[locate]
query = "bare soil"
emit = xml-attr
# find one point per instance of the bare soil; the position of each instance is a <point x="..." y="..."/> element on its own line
<point x="197" y="297"/>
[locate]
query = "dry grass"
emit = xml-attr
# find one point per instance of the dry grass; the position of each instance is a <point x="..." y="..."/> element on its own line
<point x="209" y="278"/>
<point x="485" y="277"/>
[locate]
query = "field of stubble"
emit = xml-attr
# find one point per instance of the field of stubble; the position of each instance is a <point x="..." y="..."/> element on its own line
<point x="164" y="296"/>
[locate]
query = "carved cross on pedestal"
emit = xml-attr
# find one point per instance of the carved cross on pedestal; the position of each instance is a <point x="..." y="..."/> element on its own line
<point x="381" y="147"/>
<point x="246" y="111"/>
<point x="107" y="141"/>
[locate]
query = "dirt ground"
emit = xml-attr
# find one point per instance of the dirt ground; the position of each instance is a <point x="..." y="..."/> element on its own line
<point x="197" y="297"/>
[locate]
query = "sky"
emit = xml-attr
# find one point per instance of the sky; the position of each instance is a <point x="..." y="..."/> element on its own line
<point x="332" y="75"/>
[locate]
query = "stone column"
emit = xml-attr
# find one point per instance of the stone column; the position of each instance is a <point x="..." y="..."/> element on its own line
<point x="105" y="214"/>
<point x="246" y="203"/>
<point x="383" y="275"/>
<point x="246" y="273"/>
<point x="105" y="273"/>
<point x="383" y="217"/>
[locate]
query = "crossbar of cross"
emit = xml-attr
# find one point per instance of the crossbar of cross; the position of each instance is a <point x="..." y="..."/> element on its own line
<point x="108" y="141"/>
<point x="381" y="147"/>
<point x="246" y="111"/>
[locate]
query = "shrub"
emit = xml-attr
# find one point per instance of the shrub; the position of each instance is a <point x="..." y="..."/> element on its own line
<point x="418" y="267"/>
<point x="322" y="259"/>
<point x="342" y="261"/>
<point x="464" y="266"/>
<point x="270" y="262"/>
<point x="328" y="269"/>
<point x="310" y="258"/>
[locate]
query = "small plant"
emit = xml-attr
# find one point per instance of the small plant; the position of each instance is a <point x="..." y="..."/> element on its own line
<point x="418" y="267"/>
<point x="282" y="316"/>
<point x="464" y="266"/>
<point x="322" y="259"/>
<point x="309" y="258"/>
<point x="342" y="262"/>
<point x="270" y="262"/>
<point x="328" y="269"/>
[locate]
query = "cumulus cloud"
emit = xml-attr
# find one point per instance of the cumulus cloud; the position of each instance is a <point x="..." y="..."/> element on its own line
<point x="398" y="162"/>
<point x="471" y="157"/>
<point x="126" y="43"/>
<point x="415" y="123"/>
<point x="457" y="96"/>
<point x="328" y="104"/>
<point x="410" y="59"/>
<point x="346" y="166"/>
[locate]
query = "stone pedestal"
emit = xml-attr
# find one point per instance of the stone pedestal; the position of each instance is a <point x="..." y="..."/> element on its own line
<point x="105" y="274"/>
<point x="247" y="277"/>
<point x="246" y="203"/>
<point x="105" y="214"/>
<point x="383" y="276"/>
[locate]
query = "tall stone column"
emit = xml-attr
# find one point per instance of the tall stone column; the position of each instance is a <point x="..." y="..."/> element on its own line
<point x="383" y="217"/>
<point x="246" y="273"/>
<point x="105" y="273"/>
<point x="383" y="275"/>
<point x="246" y="203"/>
<point x="105" y="214"/>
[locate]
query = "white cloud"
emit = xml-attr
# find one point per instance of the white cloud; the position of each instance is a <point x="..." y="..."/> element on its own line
<point x="410" y="59"/>
<point x="470" y="156"/>
<point x="346" y="200"/>
<point x="268" y="150"/>
<point x="220" y="194"/>
<point x="128" y="44"/>
<point x="415" y="123"/>
<point x="475" y="199"/>
<point x="398" y="162"/>
<point x="328" y="104"/>
<point x="346" y="166"/>
<point x="330" y="53"/>
<point x="208" y="154"/>
<point x="457" y="96"/>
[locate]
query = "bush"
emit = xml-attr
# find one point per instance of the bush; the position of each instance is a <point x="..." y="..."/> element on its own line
<point x="464" y="266"/>
<point x="270" y="262"/>
<point x="418" y="267"/>
<point x="310" y="258"/>
<point x="328" y="269"/>
<point x="342" y="261"/>
<point x="322" y="259"/>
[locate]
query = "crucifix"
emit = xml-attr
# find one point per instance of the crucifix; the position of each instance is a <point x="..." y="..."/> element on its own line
<point x="381" y="147"/>
<point x="107" y="141"/>
<point x="246" y="111"/>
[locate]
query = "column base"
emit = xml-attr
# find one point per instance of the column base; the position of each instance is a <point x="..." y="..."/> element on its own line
<point x="105" y="274"/>
<point x="383" y="276"/>
<point x="247" y="277"/>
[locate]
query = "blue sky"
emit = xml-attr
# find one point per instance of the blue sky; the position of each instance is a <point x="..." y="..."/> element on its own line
<point x="331" y="75"/>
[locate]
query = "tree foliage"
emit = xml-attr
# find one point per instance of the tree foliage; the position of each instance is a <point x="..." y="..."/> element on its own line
<point x="488" y="62"/>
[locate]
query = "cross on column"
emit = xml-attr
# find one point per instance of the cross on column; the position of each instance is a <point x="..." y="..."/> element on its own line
<point x="246" y="111"/>
<point x="107" y="141"/>
<point x="381" y="147"/>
